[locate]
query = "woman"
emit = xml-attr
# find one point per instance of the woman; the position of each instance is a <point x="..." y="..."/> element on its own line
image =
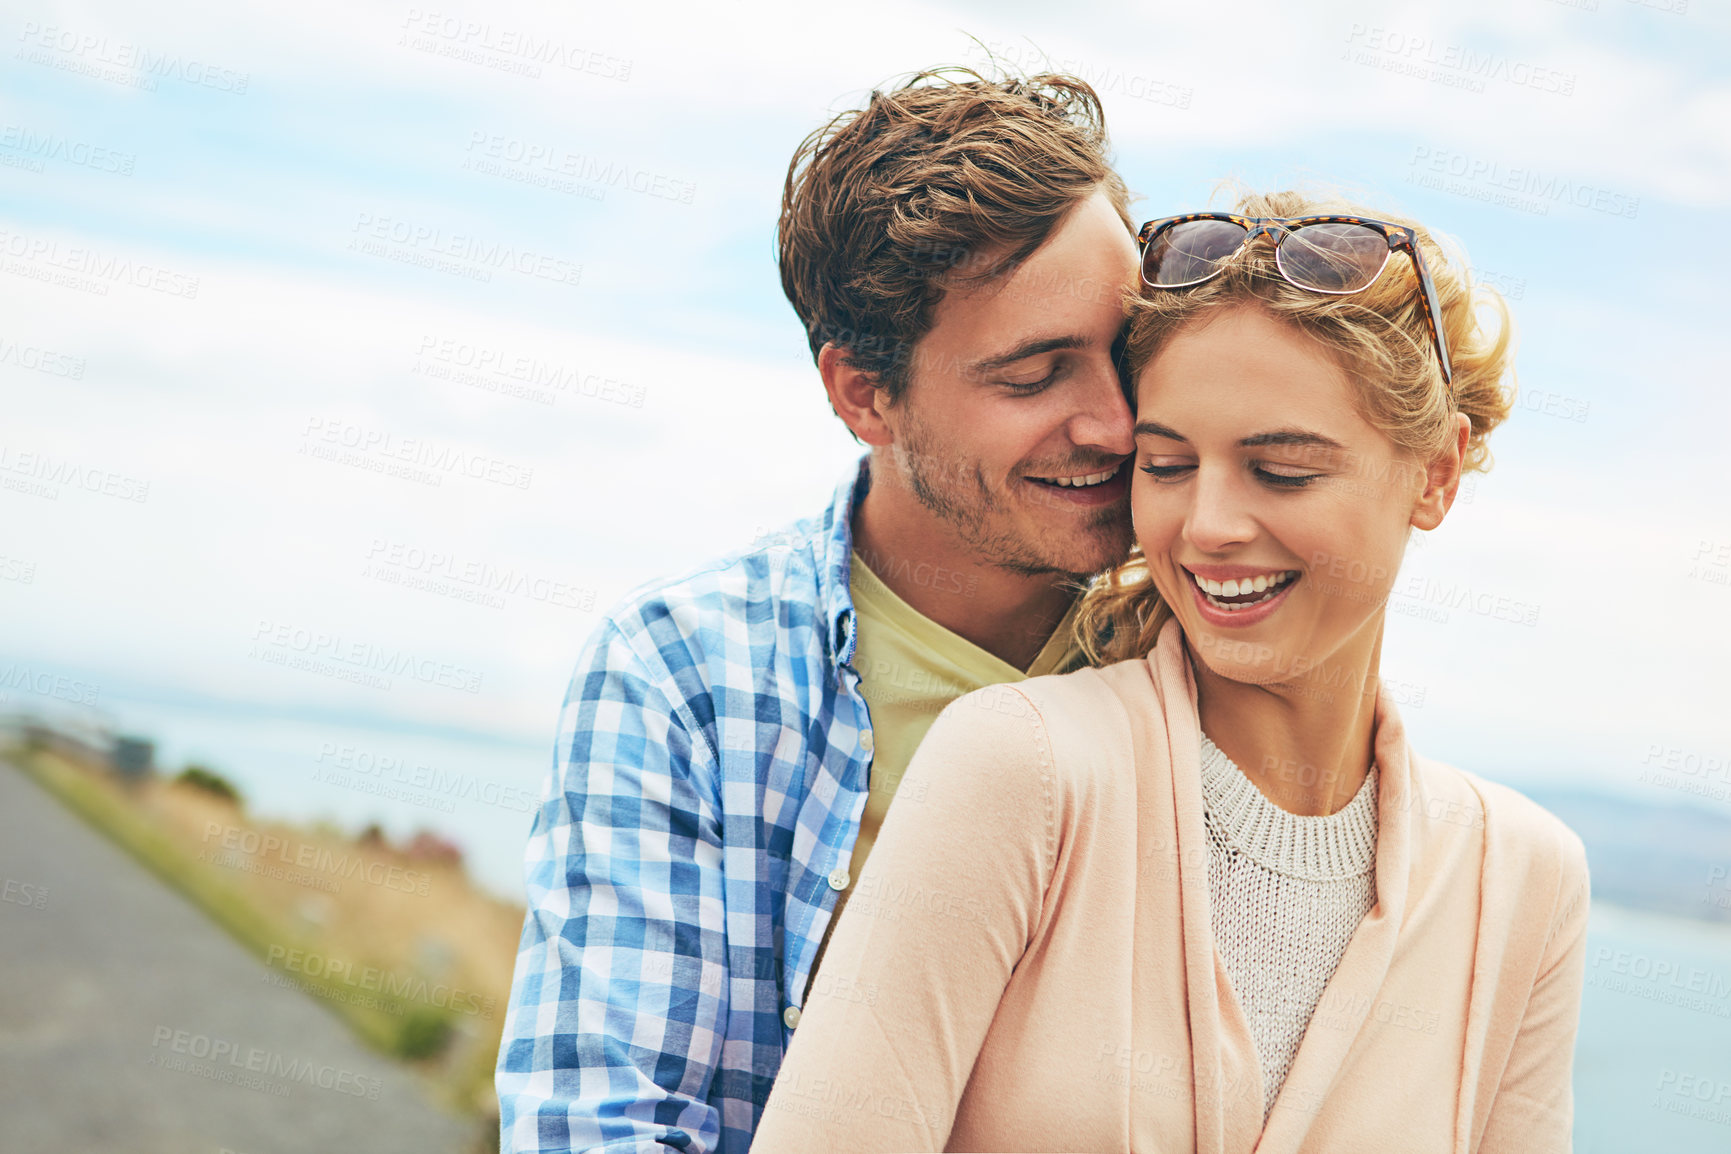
<point x="1203" y="896"/>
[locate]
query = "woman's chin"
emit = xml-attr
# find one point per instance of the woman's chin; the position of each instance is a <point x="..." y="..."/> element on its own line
<point x="1269" y="657"/>
<point x="1259" y="676"/>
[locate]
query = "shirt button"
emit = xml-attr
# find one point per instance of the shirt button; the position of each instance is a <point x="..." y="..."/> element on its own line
<point x="865" y="741"/>
<point x="838" y="878"/>
<point x="791" y="1016"/>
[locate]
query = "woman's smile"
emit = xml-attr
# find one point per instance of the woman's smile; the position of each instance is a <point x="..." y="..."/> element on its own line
<point x="1236" y="596"/>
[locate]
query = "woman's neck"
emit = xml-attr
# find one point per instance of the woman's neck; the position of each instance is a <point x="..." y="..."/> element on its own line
<point x="1307" y="742"/>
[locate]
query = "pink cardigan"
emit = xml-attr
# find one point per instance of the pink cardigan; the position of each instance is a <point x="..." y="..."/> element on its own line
<point x="1028" y="962"/>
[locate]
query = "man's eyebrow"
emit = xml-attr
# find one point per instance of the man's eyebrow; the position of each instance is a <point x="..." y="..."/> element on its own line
<point x="1030" y="348"/>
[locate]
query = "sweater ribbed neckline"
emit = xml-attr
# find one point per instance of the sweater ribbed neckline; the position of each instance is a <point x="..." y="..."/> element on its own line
<point x="1334" y="847"/>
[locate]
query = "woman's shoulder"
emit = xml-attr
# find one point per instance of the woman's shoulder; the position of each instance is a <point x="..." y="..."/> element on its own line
<point x="1091" y="704"/>
<point x="1068" y="722"/>
<point x="1092" y="682"/>
<point x="1004" y="753"/>
<point x="1527" y="840"/>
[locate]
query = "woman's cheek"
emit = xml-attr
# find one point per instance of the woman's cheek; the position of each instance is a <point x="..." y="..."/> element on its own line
<point x="1154" y="521"/>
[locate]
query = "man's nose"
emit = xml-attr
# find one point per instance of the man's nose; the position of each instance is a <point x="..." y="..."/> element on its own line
<point x="1103" y="419"/>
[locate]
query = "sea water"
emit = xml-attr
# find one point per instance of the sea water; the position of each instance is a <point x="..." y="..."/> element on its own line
<point x="1653" y="1059"/>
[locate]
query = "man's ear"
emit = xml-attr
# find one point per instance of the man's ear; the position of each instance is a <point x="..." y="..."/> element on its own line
<point x="855" y="396"/>
<point x="1443" y="478"/>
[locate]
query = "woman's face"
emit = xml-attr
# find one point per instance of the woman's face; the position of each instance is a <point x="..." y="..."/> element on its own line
<point x="1273" y="517"/>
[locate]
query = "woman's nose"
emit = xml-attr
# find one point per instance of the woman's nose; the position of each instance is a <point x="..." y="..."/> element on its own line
<point x="1219" y="515"/>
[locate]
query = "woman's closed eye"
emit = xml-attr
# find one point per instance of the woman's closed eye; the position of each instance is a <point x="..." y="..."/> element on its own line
<point x="1274" y="475"/>
<point x="1164" y="472"/>
<point x="1284" y="476"/>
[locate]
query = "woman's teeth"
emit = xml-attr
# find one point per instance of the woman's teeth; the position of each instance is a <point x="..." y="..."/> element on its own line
<point x="1266" y="584"/>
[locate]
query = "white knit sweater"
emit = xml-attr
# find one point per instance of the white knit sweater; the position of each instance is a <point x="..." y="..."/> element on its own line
<point x="1286" y="892"/>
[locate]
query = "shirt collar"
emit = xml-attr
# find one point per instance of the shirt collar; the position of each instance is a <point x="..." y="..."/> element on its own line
<point x="834" y="562"/>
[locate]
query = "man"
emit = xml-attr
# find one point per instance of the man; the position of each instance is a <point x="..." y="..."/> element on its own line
<point x="731" y="740"/>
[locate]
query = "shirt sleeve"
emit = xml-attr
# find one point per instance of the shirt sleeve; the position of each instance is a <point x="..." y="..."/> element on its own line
<point x="615" y="1021"/>
<point x="1533" y="1112"/>
<point x="946" y="906"/>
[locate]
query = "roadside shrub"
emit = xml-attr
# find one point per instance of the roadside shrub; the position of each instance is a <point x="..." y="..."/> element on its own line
<point x="425" y="1034"/>
<point x="210" y="781"/>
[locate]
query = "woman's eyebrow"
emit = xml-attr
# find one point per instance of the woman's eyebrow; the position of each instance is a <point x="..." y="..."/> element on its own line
<point x="1147" y="428"/>
<point x="1156" y="429"/>
<point x="1291" y="437"/>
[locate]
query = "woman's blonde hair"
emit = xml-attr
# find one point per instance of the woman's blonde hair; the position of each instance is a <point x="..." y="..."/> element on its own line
<point x="1378" y="336"/>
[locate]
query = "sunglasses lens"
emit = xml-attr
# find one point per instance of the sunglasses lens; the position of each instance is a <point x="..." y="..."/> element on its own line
<point x="1333" y="258"/>
<point x="1193" y="251"/>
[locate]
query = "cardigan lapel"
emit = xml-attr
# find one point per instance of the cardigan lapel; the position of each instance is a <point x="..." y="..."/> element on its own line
<point x="1162" y="1016"/>
<point x="1365" y="965"/>
<point x="1227" y="1077"/>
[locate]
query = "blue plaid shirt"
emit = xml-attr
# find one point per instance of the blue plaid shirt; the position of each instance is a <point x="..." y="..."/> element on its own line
<point x="711" y="771"/>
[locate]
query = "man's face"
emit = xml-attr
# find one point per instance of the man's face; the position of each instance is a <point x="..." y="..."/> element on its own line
<point x="1014" y="429"/>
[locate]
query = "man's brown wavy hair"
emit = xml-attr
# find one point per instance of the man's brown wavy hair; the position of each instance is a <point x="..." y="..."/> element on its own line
<point x="951" y="175"/>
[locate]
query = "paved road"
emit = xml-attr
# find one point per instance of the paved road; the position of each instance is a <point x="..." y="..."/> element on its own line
<point x="95" y="985"/>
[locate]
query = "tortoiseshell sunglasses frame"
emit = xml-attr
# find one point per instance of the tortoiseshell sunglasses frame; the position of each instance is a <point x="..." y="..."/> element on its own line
<point x="1399" y="237"/>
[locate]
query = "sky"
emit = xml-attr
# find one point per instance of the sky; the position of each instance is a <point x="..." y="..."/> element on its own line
<point x="435" y="330"/>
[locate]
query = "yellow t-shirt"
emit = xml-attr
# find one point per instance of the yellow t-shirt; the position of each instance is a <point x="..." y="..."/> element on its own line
<point x="910" y="667"/>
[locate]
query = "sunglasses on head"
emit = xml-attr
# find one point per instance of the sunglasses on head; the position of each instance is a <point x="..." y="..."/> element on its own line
<point x="1336" y="255"/>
